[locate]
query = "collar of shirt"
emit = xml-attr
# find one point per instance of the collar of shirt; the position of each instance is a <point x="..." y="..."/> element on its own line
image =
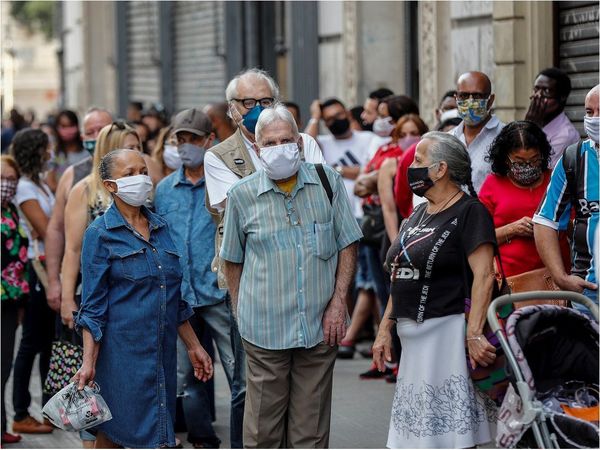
<point x="180" y="178"/>
<point x="557" y="123"/>
<point x="490" y="125"/>
<point x="114" y="219"/>
<point x="304" y="177"/>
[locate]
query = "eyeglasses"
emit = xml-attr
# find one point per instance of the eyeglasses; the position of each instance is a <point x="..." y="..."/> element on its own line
<point x="473" y="95"/>
<point x="533" y="163"/>
<point x="250" y="103"/>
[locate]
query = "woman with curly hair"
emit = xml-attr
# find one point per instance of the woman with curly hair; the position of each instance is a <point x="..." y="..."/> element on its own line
<point x="30" y="150"/>
<point x="520" y="157"/>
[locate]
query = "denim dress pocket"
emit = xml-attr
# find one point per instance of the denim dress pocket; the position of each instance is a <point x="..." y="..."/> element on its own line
<point x="323" y="240"/>
<point x="134" y="264"/>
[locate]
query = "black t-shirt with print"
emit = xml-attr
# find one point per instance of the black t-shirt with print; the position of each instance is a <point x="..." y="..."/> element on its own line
<point x="428" y="259"/>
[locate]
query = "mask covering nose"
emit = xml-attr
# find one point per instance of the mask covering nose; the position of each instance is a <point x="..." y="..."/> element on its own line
<point x="592" y="128"/>
<point x="171" y="157"/>
<point x="383" y="126"/>
<point x="251" y="117"/>
<point x="280" y="161"/>
<point x="419" y="180"/>
<point x="90" y="145"/>
<point x="8" y="189"/>
<point x="191" y="155"/>
<point x="473" y="111"/>
<point x="339" y="127"/>
<point x="134" y="190"/>
<point x="407" y="141"/>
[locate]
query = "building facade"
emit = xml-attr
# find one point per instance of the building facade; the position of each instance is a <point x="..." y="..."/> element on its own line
<point x="181" y="54"/>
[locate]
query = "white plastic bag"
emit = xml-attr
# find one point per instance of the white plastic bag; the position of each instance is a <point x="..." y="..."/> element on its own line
<point x="73" y="410"/>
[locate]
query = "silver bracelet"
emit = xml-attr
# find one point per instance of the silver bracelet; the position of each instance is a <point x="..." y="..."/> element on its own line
<point x="475" y="338"/>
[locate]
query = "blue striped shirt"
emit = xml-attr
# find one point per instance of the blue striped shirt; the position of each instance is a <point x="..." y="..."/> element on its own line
<point x="555" y="209"/>
<point x="289" y="246"/>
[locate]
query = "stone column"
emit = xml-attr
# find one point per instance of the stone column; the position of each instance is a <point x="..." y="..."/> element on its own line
<point x="351" y="59"/>
<point x="523" y="43"/>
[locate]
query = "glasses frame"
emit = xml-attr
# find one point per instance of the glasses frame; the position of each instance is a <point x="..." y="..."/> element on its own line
<point x="462" y="96"/>
<point x="250" y="103"/>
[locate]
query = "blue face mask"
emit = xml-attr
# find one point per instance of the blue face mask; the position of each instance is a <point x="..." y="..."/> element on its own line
<point x="251" y="117"/>
<point x="90" y="146"/>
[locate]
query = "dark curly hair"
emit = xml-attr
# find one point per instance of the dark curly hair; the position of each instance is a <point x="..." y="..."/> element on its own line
<point x="514" y="136"/>
<point x="28" y="147"/>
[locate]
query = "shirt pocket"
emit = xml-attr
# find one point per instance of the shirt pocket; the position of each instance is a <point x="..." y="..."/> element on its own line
<point x="134" y="265"/>
<point x="172" y="262"/>
<point x="323" y="240"/>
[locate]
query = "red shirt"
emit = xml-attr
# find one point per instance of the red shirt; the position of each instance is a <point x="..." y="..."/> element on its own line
<point x="384" y="152"/>
<point x="402" y="192"/>
<point x="508" y="203"/>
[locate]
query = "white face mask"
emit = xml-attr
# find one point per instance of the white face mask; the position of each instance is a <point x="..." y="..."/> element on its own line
<point x="134" y="190"/>
<point x="450" y="114"/>
<point x="280" y="161"/>
<point x="383" y="126"/>
<point x="171" y="157"/>
<point x="592" y="128"/>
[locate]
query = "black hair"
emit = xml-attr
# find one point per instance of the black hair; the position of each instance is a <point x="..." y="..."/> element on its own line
<point x="514" y="136"/>
<point x="107" y="163"/>
<point x="454" y="121"/>
<point x="451" y="93"/>
<point x="28" y="147"/>
<point x="380" y="94"/>
<point x="293" y="105"/>
<point x="400" y="105"/>
<point x="563" y="82"/>
<point x="330" y="102"/>
<point x="137" y="105"/>
<point x="74" y="120"/>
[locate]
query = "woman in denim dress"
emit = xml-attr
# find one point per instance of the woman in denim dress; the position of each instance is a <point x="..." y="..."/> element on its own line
<point x="131" y="312"/>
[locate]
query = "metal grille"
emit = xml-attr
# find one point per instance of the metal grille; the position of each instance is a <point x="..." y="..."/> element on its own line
<point x="578" y="53"/>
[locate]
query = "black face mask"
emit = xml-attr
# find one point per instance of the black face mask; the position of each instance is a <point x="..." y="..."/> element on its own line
<point x="419" y="181"/>
<point x="366" y="126"/>
<point x="339" y="126"/>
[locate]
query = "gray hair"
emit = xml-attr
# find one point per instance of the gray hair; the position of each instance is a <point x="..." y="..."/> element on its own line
<point x="258" y="74"/>
<point x="107" y="163"/>
<point x="278" y="113"/>
<point x="451" y="150"/>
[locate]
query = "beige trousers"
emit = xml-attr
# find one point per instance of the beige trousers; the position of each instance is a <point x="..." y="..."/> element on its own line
<point x="288" y="397"/>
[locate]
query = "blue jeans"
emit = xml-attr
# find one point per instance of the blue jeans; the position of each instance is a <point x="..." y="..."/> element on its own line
<point x="226" y="336"/>
<point x="593" y="296"/>
<point x="380" y="278"/>
<point x="364" y="277"/>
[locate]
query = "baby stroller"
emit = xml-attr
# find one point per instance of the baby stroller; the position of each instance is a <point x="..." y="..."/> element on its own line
<point x="552" y="358"/>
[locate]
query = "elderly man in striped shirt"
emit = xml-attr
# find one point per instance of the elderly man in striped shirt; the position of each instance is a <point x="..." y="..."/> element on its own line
<point x="289" y="248"/>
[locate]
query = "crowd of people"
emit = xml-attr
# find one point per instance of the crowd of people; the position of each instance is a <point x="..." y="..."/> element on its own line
<point x="145" y="241"/>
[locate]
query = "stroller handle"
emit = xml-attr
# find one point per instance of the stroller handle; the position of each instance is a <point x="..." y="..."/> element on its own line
<point x="573" y="297"/>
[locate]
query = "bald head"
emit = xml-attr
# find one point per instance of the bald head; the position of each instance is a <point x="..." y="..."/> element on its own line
<point x="592" y="99"/>
<point x="94" y="120"/>
<point x="474" y="82"/>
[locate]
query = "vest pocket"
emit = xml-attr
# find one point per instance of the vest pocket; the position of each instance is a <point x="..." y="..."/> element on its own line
<point x="323" y="239"/>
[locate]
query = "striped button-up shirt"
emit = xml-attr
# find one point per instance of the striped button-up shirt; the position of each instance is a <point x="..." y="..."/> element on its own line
<point x="289" y="246"/>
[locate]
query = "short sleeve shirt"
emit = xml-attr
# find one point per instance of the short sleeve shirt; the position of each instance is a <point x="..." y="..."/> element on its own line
<point x="428" y="260"/>
<point x="28" y="190"/>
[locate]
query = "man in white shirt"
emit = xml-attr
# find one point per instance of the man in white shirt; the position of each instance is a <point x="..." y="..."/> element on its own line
<point x="479" y="127"/>
<point x="344" y="149"/>
<point x="247" y="95"/>
<point x="551" y="89"/>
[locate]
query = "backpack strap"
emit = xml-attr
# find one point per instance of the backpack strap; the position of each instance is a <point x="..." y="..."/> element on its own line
<point x="571" y="162"/>
<point x="324" y="182"/>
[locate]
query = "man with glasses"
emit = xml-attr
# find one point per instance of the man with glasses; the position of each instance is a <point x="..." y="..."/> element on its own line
<point x="479" y="127"/>
<point x="551" y="89"/>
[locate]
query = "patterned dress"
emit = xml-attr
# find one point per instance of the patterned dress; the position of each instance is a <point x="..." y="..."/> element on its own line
<point x="15" y="279"/>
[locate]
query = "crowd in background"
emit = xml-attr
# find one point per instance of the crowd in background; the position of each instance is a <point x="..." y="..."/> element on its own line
<point x="59" y="176"/>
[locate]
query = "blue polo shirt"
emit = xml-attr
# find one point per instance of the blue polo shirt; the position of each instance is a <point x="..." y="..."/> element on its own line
<point x="181" y="204"/>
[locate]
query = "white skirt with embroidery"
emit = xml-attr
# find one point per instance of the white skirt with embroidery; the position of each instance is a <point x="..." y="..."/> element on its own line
<point x="435" y="404"/>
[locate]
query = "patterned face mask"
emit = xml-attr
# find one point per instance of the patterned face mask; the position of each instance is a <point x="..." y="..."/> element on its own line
<point x="8" y="188"/>
<point x="524" y="173"/>
<point x="473" y="111"/>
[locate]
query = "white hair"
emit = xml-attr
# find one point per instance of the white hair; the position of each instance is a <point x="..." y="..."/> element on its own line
<point x="258" y="74"/>
<point x="278" y="113"/>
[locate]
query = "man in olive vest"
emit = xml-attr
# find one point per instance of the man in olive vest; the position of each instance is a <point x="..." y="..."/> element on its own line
<point x="248" y="94"/>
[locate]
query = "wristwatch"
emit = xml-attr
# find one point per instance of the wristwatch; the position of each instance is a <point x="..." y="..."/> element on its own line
<point x="340" y="170"/>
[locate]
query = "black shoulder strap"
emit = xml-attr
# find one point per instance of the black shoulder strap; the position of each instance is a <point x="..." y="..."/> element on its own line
<point x="325" y="182"/>
<point x="571" y="161"/>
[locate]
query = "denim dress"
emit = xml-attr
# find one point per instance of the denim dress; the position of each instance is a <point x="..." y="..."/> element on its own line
<point x="131" y="304"/>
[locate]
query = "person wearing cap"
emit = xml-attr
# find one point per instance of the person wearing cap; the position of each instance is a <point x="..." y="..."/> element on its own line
<point x="179" y="199"/>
